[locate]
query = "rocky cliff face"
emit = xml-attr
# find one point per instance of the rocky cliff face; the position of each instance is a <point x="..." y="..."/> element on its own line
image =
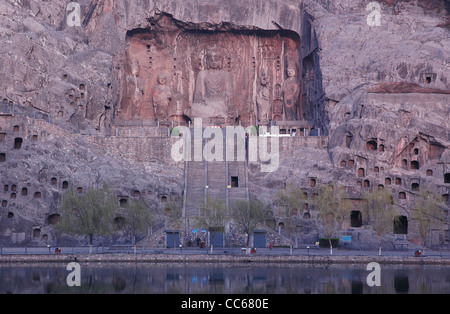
<point x="373" y="78"/>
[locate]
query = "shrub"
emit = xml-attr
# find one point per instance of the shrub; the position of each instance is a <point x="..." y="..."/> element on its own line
<point x="324" y="243"/>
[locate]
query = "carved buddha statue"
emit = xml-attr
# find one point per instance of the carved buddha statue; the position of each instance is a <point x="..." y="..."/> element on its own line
<point x="291" y="93"/>
<point x="161" y="97"/>
<point x="213" y="95"/>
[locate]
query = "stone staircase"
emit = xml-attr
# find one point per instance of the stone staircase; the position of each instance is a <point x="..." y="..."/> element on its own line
<point x="224" y="180"/>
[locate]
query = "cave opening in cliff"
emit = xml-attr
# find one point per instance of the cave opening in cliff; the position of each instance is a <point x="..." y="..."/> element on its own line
<point x="355" y="218"/>
<point x="36" y="233"/>
<point x="234" y="181"/>
<point x="387" y="181"/>
<point x="415" y="186"/>
<point x="447" y="178"/>
<point x="123" y="201"/>
<point x="361" y="172"/>
<point x="400" y="224"/>
<point x="65" y="185"/>
<point x="445" y="197"/>
<point x="18" y="143"/>
<point x="371" y="145"/>
<point x="4" y="203"/>
<point x="24" y="191"/>
<point x="402" y="195"/>
<point x="414" y="165"/>
<point x="2" y="157"/>
<point x="53" y="219"/>
<point x="260" y="64"/>
<point x="404" y="163"/>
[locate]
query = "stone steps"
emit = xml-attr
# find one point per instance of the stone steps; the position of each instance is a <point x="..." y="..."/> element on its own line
<point x="218" y="183"/>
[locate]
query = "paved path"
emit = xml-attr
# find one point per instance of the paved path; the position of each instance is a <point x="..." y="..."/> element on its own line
<point x="445" y="253"/>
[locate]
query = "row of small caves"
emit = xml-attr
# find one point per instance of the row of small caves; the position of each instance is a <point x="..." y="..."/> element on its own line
<point x="355" y="215"/>
<point x="24" y="191"/>
<point x="54" y="218"/>
<point x="372" y="145"/>
<point x="14" y="191"/>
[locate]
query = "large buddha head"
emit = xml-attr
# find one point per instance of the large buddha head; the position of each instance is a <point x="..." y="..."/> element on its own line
<point x="214" y="58"/>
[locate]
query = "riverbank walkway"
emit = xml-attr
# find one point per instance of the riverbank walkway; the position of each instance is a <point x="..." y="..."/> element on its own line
<point x="218" y="255"/>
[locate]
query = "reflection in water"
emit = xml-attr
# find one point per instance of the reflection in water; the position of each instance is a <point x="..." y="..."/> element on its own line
<point x="217" y="279"/>
<point x="401" y="283"/>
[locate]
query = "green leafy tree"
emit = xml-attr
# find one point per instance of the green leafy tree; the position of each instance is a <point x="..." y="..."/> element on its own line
<point x="89" y="213"/>
<point x="138" y="218"/>
<point x="332" y="209"/>
<point x="213" y="216"/>
<point x="380" y="211"/>
<point x="173" y="211"/>
<point x="427" y="212"/>
<point x="248" y="215"/>
<point x="290" y="201"/>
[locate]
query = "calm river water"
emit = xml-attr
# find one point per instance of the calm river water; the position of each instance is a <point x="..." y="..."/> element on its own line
<point x="217" y="279"/>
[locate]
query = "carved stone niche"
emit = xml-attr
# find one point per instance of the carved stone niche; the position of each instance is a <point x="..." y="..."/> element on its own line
<point x="224" y="74"/>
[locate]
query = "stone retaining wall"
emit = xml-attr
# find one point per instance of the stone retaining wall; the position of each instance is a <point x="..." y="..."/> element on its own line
<point x="222" y="258"/>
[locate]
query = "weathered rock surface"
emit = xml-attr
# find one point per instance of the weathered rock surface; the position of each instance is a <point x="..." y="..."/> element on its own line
<point x="380" y="94"/>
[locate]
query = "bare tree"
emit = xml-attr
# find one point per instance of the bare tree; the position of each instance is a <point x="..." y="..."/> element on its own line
<point x="89" y="213"/>
<point x="213" y="216"/>
<point x="173" y="210"/>
<point x="331" y="208"/>
<point x="290" y="200"/>
<point x="138" y="218"/>
<point x="248" y="215"/>
<point x="380" y="211"/>
<point x="427" y="212"/>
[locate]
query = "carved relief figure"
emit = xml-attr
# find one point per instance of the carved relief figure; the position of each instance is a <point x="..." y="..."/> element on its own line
<point x="161" y="97"/>
<point x="291" y="93"/>
<point x="135" y="91"/>
<point x="277" y="110"/>
<point x="263" y="100"/>
<point x="213" y="95"/>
